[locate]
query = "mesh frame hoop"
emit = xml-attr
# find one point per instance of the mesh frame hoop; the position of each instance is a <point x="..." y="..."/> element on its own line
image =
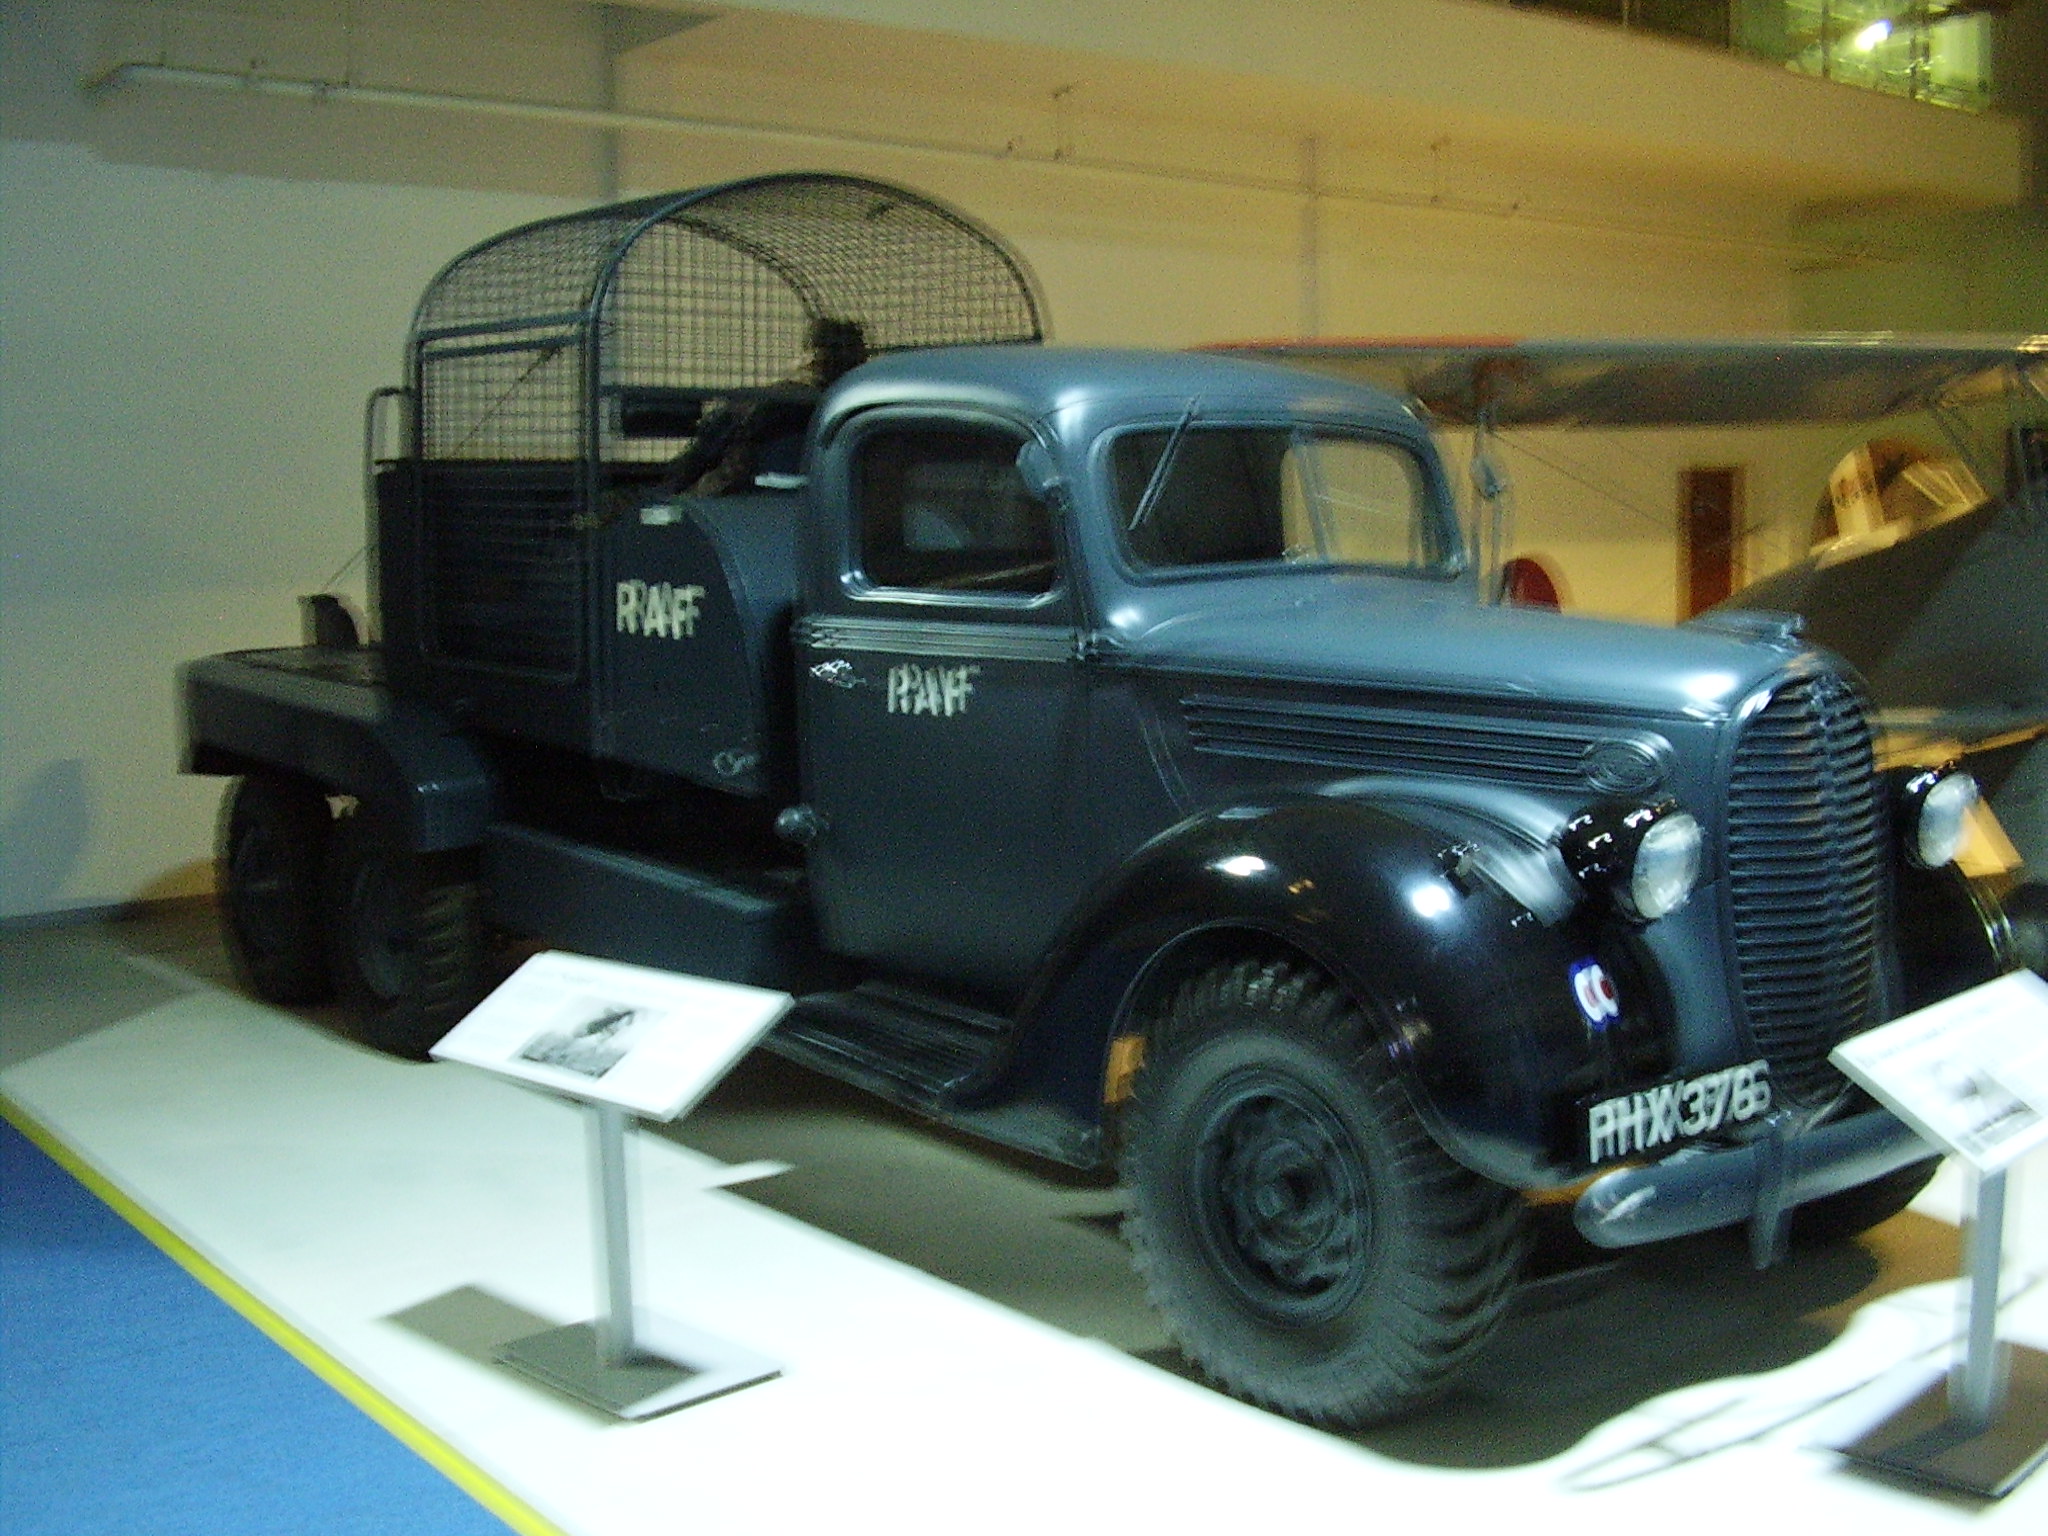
<point x="525" y="349"/>
<point x="519" y="343"/>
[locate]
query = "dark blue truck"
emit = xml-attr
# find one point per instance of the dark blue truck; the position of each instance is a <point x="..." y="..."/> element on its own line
<point x="1113" y="753"/>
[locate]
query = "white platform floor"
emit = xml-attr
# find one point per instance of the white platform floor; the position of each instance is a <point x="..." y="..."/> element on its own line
<point x="407" y="1219"/>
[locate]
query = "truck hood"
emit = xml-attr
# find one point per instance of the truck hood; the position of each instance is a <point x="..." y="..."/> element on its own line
<point x="1364" y="629"/>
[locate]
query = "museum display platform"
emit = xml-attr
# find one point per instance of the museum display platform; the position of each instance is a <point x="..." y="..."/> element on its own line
<point x="405" y="1221"/>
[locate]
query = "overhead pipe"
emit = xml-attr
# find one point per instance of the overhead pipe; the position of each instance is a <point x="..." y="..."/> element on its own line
<point x="613" y="119"/>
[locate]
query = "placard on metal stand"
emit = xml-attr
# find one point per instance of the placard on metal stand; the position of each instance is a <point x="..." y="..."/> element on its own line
<point x="1971" y="1075"/>
<point x="626" y="1041"/>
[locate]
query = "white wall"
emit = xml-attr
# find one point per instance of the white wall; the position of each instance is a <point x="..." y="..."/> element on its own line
<point x="197" y="290"/>
<point x="184" y="356"/>
<point x="1984" y="271"/>
<point x="185" y="363"/>
<point x="1528" y="83"/>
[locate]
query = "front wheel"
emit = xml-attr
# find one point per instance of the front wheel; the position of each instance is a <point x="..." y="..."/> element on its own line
<point x="1310" y="1246"/>
<point x="405" y="934"/>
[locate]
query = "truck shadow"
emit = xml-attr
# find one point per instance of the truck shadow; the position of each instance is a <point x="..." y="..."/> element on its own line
<point x="1592" y="1335"/>
<point x="1582" y="1349"/>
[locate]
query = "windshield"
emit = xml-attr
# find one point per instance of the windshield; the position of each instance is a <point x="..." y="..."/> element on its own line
<point x="1229" y="495"/>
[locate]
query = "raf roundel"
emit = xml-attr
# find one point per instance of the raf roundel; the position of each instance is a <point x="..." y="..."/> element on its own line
<point x="1594" y="990"/>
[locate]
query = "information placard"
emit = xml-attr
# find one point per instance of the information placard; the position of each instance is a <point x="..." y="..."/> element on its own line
<point x="651" y="1042"/>
<point x="1969" y="1073"/>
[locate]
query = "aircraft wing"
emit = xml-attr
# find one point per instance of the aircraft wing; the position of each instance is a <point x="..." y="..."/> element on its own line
<point x="1748" y="381"/>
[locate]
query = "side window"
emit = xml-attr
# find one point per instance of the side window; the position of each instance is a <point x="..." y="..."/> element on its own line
<point x="943" y="508"/>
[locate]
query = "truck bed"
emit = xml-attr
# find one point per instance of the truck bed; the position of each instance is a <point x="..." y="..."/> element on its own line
<point x="327" y="715"/>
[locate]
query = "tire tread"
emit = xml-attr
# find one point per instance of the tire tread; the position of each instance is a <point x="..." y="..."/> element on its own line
<point x="288" y="965"/>
<point x="1465" y="1231"/>
<point x="444" y="959"/>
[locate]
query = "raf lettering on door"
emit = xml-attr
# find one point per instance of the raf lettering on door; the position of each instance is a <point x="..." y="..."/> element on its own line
<point x="943" y="691"/>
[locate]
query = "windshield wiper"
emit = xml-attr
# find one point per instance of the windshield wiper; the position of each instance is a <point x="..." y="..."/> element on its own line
<point x="1157" y="484"/>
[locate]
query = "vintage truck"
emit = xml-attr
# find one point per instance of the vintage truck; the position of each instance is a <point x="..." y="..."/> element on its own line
<point x="1113" y="753"/>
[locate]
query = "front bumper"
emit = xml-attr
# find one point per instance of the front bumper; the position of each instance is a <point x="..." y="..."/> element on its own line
<point x="1757" y="1183"/>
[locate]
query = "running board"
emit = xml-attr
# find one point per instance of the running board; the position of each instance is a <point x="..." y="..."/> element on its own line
<point x="913" y="1049"/>
<point x="930" y="1056"/>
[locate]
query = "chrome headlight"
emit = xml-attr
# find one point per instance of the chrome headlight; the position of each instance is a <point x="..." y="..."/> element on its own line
<point x="1935" y="811"/>
<point x="1645" y="857"/>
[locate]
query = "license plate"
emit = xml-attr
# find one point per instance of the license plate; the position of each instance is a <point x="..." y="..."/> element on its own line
<point x="1665" y="1114"/>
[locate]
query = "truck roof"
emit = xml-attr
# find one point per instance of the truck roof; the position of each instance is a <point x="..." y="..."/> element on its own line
<point x="1104" y="384"/>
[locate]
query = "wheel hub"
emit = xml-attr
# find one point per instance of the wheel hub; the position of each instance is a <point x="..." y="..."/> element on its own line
<point x="376" y="915"/>
<point x="1283" y="1199"/>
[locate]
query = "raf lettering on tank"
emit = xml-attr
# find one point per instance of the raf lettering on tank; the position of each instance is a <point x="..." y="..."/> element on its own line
<point x="657" y="608"/>
<point x="942" y="691"/>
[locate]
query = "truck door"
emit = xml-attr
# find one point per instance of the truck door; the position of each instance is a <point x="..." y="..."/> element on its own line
<point x="938" y="680"/>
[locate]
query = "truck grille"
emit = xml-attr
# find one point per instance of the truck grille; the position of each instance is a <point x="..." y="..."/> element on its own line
<point x="1805" y="879"/>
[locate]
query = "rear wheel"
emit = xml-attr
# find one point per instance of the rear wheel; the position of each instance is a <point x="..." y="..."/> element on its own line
<point x="405" y="934"/>
<point x="272" y="845"/>
<point x="1309" y="1244"/>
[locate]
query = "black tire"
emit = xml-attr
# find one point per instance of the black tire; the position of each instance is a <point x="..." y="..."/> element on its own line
<point x="1836" y="1218"/>
<point x="1310" y="1246"/>
<point x="270" y="849"/>
<point x="405" y="935"/>
<point x="2026" y="915"/>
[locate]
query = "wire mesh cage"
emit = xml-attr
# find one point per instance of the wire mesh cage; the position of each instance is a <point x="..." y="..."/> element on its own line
<point x="563" y="339"/>
<point x="564" y="362"/>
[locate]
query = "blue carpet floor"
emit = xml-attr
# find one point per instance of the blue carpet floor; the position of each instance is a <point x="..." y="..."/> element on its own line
<point x="135" y="1401"/>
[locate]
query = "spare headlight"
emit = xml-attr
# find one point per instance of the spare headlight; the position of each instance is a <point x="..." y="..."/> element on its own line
<point x="1645" y="857"/>
<point x="1935" y="814"/>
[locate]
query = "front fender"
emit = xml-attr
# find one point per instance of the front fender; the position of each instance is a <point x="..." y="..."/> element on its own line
<point x="1953" y="935"/>
<point x="1469" y="993"/>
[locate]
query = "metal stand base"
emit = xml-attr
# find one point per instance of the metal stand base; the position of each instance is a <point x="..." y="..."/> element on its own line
<point x="1930" y="1441"/>
<point x="628" y="1362"/>
<point x="670" y="1365"/>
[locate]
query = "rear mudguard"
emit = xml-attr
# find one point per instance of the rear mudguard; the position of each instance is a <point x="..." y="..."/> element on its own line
<point x="293" y="711"/>
<point x="1468" y="992"/>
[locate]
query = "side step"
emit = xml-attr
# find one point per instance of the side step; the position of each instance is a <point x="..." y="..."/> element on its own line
<point x="622" y="906"/>
<point x="916" y="1050"/>
<point x="931" y="1056"/>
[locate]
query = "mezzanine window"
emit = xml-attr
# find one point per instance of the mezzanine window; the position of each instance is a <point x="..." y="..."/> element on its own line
<point x="1930" y="50"/>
